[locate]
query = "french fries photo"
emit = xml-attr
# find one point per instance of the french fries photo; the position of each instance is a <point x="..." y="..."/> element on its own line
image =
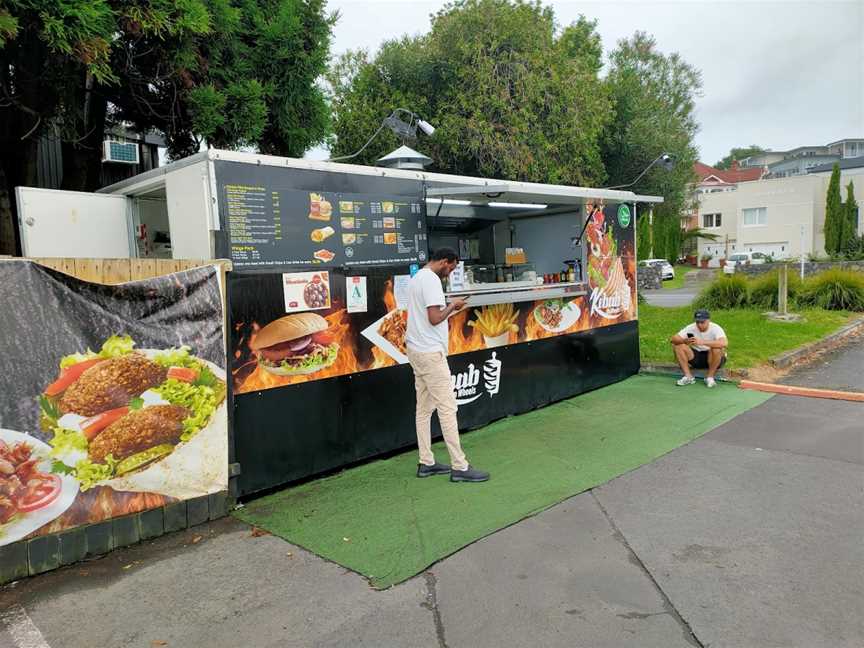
<point x="495" y="320"/>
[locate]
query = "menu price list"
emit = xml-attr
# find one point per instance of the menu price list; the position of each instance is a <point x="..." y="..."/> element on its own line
<point x="254" y="223"/>
<point x="289" y="227"/>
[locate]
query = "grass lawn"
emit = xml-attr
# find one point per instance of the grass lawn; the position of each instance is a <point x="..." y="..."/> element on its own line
<point x="753" y="340"/>
<point x="678" y="281"/>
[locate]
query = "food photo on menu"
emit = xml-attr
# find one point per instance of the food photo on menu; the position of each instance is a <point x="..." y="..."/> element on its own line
<point x="297" y="344"/>
<point x="319" y="207"/>
<point x="116" y="414"/>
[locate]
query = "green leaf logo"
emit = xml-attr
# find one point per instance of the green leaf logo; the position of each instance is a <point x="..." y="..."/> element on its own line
<point x="623" y="215"/>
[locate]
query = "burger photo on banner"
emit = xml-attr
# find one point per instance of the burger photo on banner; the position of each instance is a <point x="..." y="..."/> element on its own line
<point x="137" y="420"/>
<point x="89" y="435"/>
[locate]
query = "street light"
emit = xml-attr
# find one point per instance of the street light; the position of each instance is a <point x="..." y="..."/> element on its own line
<point x="404" y="128"/>
<point x="665" y="160"/>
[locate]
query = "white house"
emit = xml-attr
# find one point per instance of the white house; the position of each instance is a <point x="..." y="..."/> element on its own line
<point x="782" y="216"/>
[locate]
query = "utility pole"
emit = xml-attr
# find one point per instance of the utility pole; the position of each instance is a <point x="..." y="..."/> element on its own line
<point x="802" y="251"/>
<point x="651" y="230"/>
<point x="783" y="289"/>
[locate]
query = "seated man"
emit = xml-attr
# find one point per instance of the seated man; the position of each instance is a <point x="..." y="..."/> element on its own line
<point x="701" y="345"/>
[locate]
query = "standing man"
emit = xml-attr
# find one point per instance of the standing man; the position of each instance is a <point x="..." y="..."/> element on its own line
<point x="427" y="345"/>
<point x="701" y="345"/>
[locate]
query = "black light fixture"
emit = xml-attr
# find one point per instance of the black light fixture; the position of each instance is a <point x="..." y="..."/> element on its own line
<point x="404" y="124"/>
<point x="665" y="160"/>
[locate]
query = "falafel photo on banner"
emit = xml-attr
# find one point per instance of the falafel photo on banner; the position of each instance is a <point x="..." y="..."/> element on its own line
<point x="112" y="397"/>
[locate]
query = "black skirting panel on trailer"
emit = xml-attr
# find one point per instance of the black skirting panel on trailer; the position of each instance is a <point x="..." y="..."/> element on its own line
<point x="297" y="431"/>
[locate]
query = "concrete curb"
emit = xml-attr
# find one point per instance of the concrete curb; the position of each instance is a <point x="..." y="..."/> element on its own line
<point x="789" y="358"/>
<point x="809" y="392"/>
<point x="664" y="369"/>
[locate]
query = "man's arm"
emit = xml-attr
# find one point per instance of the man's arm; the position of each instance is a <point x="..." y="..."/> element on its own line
<point x="438" y="314"/>
<point x="677" y="339"/>
<point x="719" y="343"/>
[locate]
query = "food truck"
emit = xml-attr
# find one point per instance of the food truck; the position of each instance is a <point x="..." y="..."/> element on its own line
<point x="322" y="255"/>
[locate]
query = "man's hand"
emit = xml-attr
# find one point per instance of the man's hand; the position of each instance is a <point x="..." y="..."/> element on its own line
<point x="693" y="341"/>
<point x="458" y="303"/>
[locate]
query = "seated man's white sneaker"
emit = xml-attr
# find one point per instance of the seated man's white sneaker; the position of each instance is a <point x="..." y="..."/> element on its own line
<point x="686" y="380"/>
<point x="710" y="382"/>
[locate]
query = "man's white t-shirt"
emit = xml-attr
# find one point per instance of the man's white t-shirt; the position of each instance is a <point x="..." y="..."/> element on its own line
<point x="425" y="290"/>
<point x="714" y="333"/>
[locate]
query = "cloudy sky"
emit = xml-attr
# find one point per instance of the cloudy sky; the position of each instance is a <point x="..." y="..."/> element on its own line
<point x="778" y="74"/>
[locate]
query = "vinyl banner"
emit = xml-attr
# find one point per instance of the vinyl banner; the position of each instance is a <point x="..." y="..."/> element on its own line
<point x="274" y="345"/>
<point x="112" y="398"/>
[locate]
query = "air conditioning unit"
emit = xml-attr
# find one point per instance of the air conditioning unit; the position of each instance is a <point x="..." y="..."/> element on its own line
<point x="122" y="152"/>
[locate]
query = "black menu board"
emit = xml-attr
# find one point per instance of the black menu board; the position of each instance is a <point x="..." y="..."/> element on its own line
<point x="272" y="226"/>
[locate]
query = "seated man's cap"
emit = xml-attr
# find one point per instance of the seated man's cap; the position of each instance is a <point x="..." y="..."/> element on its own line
<point x="701" y="315"/>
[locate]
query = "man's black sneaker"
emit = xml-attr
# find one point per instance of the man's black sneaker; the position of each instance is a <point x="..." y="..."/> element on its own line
<point x="435" y="469"/>
<point x="468" y="475"/>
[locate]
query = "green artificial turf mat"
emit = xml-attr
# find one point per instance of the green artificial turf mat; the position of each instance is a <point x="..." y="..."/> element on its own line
<point x="381" y="521"/>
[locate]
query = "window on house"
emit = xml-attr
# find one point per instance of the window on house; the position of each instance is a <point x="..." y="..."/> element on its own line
<point x="755" y="216"/>
<point x="710" y="220"/>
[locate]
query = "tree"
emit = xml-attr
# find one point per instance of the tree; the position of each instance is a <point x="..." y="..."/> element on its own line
<point x="739" y="154"/>
<point x="232" y="72"/>
<point x="850" y="220"/>
<point x="834" y="214"/>
<point x="653" y="95"/>
<point x="512" y="96"/>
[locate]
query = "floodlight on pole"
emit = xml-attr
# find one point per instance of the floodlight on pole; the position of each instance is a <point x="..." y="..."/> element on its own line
<point x="403" y="123"/>
<point x="665" y="160"/>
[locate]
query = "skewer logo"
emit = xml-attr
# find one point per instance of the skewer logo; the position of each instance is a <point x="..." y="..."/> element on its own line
<point x="466" y="384"/>
<point x="492" y="375"/>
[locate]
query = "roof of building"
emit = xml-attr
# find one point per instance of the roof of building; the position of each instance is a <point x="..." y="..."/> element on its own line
<point x="848" y="163"/>
<point x="729" y="176"/>
<point x="848" y="139"/>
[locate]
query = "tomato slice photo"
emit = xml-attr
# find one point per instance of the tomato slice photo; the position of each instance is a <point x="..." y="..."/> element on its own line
<point x="69" y="375"/>
<point x="183" y="374"/>
<point x="95" y="424"/>
<point x="42" y="490"/>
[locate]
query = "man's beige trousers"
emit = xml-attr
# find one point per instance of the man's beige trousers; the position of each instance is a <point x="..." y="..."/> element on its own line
<point x="434" y="392"/>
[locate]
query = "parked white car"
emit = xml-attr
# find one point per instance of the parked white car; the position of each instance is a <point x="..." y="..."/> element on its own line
<point x="744" y="258"/>
<point x="666" y="269"/>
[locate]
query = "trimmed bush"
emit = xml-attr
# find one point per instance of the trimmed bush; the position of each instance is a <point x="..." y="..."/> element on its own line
<point x="763" y="289"/>
<point x="834" y="290"/>
<point x="729" y="291"/>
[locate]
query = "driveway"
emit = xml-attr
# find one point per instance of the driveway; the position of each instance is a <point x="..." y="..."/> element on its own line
<point x="694" y="281"/>
<point x="841" y="369"/>
<point x="749" y="537"/>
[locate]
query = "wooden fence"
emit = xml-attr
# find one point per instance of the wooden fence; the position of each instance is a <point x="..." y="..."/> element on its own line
<point x="116" y="271"/>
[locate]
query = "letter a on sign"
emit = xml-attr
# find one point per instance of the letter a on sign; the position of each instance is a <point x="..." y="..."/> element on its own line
<point x="355" y="289"/>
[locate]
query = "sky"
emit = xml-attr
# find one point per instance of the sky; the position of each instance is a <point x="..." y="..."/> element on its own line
<point x="777" y="74"/>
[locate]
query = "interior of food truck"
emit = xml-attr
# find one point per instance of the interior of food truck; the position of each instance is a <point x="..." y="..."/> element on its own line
<point x="510" y="241"/>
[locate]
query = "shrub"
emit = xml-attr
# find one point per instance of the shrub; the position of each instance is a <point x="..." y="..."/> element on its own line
<point x="729" y="291"/>
<point x="763" y="290"/>
<point x="834" y="290"/>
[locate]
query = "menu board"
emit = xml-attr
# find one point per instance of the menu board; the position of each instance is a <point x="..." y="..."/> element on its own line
<point x="286" y="227"/>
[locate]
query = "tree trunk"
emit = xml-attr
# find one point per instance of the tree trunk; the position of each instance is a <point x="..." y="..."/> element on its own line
<point x="17" y="168"/>
<point x="82" y="159"/>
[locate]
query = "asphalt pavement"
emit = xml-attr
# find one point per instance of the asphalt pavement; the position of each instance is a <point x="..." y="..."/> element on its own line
<point x="841" y="369"/>
<point x="749" y="537"/>
<point x="694" y="281"/>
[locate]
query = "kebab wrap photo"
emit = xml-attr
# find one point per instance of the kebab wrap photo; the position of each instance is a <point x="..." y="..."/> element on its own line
<point x="138" y="420"/>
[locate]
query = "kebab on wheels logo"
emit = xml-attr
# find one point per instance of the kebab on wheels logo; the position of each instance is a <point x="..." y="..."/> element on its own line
<point x="466" y="385"/>
<point x="610" y="288"/>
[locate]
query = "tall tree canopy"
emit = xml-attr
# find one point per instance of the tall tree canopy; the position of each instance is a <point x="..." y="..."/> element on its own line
<point x="233" y="72"/>
<point x="739" y="154"/>
<point x="653" y="95"/>
<point x="511" y="94"/>
<point x="515" y="95"/>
